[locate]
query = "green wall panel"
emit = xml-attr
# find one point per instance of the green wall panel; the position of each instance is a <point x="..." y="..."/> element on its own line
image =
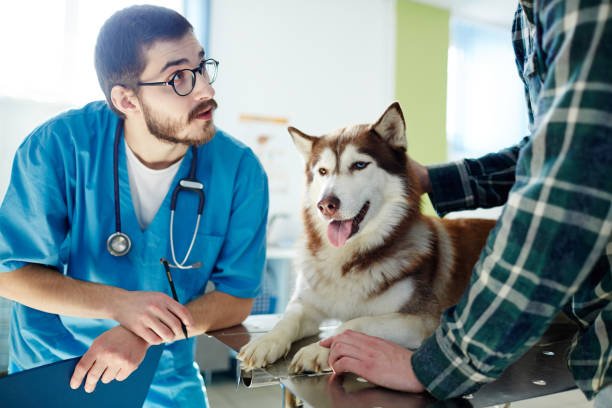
<point x="421" y="76"/>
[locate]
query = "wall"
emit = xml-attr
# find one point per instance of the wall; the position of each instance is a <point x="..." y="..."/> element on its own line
<point x="420" y="80"/>
<point x="317" y="65"/>
<point x="422" y="50"/>
<point x="18" y="117"/>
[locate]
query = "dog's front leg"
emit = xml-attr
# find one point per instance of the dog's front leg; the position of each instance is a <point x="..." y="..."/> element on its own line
<point x="407" y="330"/>
<point x="299" y="320"/>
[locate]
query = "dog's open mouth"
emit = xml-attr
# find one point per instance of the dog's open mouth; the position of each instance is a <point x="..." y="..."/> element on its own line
<point x="339" y="231"/>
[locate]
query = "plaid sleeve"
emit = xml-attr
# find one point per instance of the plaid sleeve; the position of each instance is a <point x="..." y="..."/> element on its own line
<point x="474" y="183"/>
<point x="557" y="221"/>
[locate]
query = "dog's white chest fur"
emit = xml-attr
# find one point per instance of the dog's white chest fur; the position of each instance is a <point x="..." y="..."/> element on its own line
<point x="346" y="297"/>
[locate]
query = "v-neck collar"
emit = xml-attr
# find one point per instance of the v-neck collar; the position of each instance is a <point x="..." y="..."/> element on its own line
<point x="157" y="229"/>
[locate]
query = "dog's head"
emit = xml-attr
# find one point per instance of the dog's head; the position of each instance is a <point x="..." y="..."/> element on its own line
<point x="359" y="185"/>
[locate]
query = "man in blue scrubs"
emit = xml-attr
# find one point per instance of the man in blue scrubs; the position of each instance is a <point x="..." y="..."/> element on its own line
<point x="72" y="296"/>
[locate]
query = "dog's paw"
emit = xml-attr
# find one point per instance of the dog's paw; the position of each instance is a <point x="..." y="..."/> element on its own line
<point x="262" y="351"/>
<point x="310" y="358"/>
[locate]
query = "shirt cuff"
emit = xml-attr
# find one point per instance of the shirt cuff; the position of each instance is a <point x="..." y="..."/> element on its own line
<point x="442" y="372"/>
<point x="450" y="188"/>
<point x="11" y="266"/>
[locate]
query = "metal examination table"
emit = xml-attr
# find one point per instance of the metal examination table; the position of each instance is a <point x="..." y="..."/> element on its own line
<point x="542" y="371"/>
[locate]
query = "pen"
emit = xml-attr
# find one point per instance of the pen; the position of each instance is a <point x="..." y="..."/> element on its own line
<point x="174" y="296"/>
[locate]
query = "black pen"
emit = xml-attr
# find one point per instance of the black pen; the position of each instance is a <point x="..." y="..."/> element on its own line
<point x="174" y="296"/>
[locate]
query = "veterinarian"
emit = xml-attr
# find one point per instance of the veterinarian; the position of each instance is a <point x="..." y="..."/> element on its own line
<point x="551" y="248"/>
<point x="100" y="194"/>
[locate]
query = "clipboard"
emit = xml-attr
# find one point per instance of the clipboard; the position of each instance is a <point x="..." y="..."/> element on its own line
<point x="49" y="386"/>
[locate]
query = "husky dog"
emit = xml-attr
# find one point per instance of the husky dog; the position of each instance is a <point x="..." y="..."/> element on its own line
<point x="369" y="258"/>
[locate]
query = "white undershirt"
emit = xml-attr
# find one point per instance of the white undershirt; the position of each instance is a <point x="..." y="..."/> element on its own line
<point x="148" y="187"/>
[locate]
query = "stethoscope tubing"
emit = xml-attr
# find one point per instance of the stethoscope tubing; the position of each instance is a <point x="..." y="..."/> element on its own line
<point x="119" y="243"/>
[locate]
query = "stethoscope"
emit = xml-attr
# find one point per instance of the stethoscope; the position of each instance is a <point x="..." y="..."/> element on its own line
<point x="119" y="243"/>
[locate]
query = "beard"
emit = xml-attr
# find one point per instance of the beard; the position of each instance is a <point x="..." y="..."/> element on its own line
<point x="167" y="129"/>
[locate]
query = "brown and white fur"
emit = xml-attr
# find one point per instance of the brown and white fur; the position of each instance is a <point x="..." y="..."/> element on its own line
<point x="370" y="258"/>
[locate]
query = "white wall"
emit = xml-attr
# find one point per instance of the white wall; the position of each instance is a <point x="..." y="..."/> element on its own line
<point x="18" y="118"/>
<point x="319" y="64"/>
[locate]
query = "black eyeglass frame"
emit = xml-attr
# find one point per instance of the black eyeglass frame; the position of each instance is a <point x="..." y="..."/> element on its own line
<point x="199" y="69"/>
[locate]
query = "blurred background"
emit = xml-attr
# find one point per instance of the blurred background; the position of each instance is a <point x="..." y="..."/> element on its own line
<point x="314" y="64"/>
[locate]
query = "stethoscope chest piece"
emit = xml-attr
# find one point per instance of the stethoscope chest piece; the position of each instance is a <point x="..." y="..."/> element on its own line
<point x="118" y="244"/>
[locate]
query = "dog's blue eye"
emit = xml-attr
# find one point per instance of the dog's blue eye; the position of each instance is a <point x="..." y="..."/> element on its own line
<point x="359" y="165"/>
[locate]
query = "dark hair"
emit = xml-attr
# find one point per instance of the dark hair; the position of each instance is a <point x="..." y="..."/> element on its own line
<point x="123" y="40"/>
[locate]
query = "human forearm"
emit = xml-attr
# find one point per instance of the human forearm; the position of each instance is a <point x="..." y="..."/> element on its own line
<point x="217" y="310"/>
<point x="551" y="234"/>
<point x="474" y="183"/>
<point x="153" y="316"/>
<point x="43" y="288"/>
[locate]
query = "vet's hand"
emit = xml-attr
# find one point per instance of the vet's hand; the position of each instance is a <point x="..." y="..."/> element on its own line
<point x="377" y="360"/>
<point x="114" y="355"/>
<point x="154" y="316"/>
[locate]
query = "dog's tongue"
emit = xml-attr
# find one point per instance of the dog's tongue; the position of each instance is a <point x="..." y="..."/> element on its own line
<point x="339" y="231"/>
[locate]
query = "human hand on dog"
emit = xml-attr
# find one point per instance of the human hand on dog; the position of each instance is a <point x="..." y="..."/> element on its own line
<point x="377" y="360"/>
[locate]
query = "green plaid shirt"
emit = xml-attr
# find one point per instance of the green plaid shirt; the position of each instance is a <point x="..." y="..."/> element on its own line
<point x="551" y="249"/>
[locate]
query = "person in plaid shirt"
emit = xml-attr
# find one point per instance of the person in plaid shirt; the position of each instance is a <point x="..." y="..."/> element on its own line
<point x="551" y="249"/>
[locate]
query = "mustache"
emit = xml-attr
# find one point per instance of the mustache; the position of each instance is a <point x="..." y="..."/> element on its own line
<point x="203" y="106"/>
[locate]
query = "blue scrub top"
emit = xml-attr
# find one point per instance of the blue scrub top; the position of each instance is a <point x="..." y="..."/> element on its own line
<point x="59" y="211"/>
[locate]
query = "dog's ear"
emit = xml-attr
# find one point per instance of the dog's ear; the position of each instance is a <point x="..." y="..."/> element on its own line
<point x="302" y="141"/>
<point x="391" y="126"/>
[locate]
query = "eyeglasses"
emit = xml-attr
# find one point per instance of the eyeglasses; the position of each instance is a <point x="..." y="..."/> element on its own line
<point x="184" y="80"/>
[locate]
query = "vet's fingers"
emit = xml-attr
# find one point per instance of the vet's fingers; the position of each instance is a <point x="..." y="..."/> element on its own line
<point x="81" y="369"/>
<point x="174" y="323"/>
<point x="93" y="376"/>
<point x="149" y="336"/>
<point x="163" y="329"/>
<point x="125" y="372"/>
<point x="149" y="333"/>
<point x="182" y="313"/>
<point x="109" y="374"/>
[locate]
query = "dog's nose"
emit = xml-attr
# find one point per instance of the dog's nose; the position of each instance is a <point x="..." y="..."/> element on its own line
<point x="329" y="205"/>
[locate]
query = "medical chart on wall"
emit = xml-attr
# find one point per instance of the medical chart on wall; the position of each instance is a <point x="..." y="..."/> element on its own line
<point x="267" y="135"/>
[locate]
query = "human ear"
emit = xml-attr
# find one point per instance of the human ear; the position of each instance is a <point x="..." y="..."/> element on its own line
<point x="124" y="100"/>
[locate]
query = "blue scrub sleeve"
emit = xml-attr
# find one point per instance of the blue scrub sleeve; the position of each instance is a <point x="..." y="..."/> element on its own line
<point x="33" y="215"/>
<point x="239" y="268"/>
